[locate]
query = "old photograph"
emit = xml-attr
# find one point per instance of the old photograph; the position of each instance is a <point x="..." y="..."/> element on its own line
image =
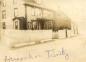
<point x="42" y="31"/>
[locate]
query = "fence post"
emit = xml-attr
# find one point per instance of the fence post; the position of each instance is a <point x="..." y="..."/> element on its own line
<point x="66" y="33"/>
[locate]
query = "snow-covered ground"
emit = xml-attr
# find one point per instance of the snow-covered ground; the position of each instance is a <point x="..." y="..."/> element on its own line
<point x="58" y="50"/>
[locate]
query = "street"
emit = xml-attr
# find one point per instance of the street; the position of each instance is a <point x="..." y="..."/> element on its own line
<point x="58" y="50"/>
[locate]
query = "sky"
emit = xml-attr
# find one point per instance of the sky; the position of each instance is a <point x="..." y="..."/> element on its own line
<point x="74" y="9"/>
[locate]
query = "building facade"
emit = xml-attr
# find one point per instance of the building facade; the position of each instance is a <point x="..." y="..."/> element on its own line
<point x="25" y="14"/>
<point x="0" y="14"/>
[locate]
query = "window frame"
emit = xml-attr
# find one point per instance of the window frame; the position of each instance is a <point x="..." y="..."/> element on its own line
<point x="4" y="25"/>
<point x="4" y="3"/>
<point x="16" y="25"/>
<point x="3" y="14"/>
<point x="15" y="12"/>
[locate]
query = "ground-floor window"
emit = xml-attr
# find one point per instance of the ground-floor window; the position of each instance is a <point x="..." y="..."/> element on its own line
<point x="40" y="25"/>
<point x="16" y="24"/>
<point x="4" y="25"/>
<point x="29" y="25"/>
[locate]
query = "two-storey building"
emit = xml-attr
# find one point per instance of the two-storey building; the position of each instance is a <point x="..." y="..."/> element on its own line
<point x="25" y="14"/>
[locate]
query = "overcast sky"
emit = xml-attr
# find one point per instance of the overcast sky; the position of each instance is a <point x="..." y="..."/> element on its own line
<point x="75" y="9"/>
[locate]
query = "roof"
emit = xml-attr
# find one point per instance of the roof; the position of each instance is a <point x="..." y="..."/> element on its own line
<point x="31" y="1"/>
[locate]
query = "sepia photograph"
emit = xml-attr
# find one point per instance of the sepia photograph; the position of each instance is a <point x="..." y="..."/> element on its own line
<point x="42" y="31"/>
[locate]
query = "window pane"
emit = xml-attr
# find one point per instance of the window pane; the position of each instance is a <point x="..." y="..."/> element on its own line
<point x="15" y="1"/>
<point x="4" y="3"/>
<point x="16" y="25"/>
<point x="4" y="14"/>
<point x="4" y="25"/>
<point x="15" y="12"/>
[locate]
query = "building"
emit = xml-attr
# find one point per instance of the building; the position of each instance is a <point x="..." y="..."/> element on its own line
<point x="25" y="14"/>
<point x="31" y="15"/>
<point x="0" y="19"/>
<point x="0" y="14"/>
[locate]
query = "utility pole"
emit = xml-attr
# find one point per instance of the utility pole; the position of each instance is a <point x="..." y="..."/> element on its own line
<point x="66" y="33"/>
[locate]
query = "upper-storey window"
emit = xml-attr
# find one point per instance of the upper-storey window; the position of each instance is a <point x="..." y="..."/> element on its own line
<point x="15" y="12"/>
<point x="38" y="1"/>
<point x="4" y="14"/>
<point x="15" y="1"/>
<point x="33" y="11"/>
<point x="4" y="3"/>
<point x="0" y="2"/>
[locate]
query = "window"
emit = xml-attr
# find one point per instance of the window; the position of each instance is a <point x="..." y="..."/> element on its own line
<point x="15" y="12"/>
<point x="38" y="1"/>
<point x="0" y="2"/>
<point x="34" y="25"/>
<point x="33" y="11"/>
<point x="4" y="25"/>
<point x="4" y="3"/>
<point x="29" y="25"/>
<point x="16" y="24"/>
<point x="36" y="12"/>
<point x="4" y="14"/>
<point x="15" y="1"/>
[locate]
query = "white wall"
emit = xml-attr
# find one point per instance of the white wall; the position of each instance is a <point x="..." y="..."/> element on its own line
<point x="11" y="37"/>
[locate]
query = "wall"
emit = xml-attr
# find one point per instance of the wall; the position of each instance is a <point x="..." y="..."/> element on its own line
<point x="11" y="37"/>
